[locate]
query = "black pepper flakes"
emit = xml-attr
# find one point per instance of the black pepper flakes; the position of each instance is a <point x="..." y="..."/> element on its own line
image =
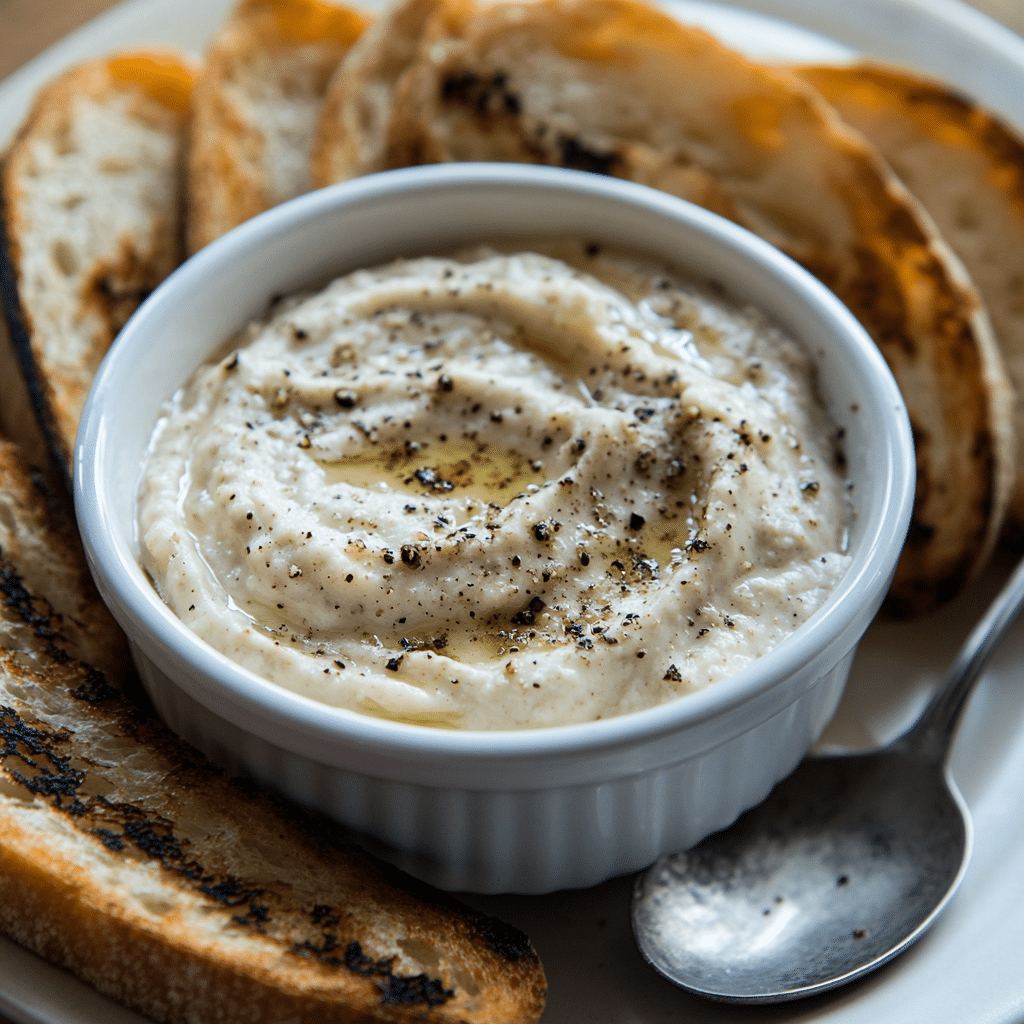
<point x="528" y="615"/>
<point x="430" y="478"/>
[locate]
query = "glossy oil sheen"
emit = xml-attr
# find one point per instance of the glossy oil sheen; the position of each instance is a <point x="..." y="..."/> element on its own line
<point x="533" y="810"/>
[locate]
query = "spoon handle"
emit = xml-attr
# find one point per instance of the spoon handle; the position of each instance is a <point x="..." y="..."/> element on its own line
<point x="932" y="735"/>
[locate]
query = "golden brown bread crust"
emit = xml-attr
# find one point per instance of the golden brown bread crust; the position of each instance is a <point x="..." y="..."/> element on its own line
<point x="351" y="127"/>
<point x="253" y="108"/>
<point x="89" y="191"/>
<point x="967" y="169"/>
<point x="128" y="858"/>
<point x="617" y="87"/>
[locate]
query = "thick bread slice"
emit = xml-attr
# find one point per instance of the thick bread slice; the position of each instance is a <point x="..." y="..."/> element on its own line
<point x="18" y="419"/>
<point x="130" y="860"/>
<point x="618" y="87"/>
<point x="40" y="554"/>
<point x="90" y="192"/>
<point x="967" y="169"/>
<point x="351" y="128"/>
<point x="254" y="106"/>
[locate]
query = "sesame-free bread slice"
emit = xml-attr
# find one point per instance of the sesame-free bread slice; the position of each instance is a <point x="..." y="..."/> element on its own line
<point x="254" y="106"/>
<point x="966" y="166"/>
<point x="90" y="195"/>
<point x="619" y="87"/>
<point x="190" y="896"/>
<point x="350" y="136"/>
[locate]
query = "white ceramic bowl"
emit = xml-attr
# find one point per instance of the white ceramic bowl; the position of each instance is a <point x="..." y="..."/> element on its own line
<point x="527" y="811"/>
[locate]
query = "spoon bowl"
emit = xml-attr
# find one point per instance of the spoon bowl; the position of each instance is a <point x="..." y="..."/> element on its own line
<point x="846" y="863"/>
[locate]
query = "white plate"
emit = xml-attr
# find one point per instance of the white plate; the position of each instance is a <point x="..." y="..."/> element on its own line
<point x="968" y="969"/>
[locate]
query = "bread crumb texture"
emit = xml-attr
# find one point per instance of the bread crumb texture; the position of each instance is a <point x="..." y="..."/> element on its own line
<point x="91" y="204"/>
<point x="254" y="108"/>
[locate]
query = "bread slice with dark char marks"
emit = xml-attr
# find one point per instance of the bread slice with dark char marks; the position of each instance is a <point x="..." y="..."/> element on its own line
<point x="966" y="166"/>
<point x="90" y="195"/>
<point x="619" y="87"/>
<point x="129" y="859"/>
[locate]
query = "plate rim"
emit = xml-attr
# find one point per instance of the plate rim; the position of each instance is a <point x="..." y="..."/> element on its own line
<point x="131" y="23"/>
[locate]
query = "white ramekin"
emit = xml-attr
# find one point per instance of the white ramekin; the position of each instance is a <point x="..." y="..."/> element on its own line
<point x="527" y="811"/>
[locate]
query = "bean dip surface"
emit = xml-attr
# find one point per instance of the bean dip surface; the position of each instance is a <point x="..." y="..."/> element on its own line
<point x="501" y="490"/>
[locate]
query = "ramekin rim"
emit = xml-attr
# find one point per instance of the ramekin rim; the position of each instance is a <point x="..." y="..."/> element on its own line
<point x="862" y="585"/>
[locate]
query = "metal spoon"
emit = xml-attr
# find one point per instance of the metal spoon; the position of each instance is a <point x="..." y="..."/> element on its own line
<point x="846" y="863"/>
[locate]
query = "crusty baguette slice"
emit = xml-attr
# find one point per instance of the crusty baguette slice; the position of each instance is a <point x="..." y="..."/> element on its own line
<point x="618" y="87"/>
<point x="90" y="191"/>
<point x="130" y="860"/>
<point x="967" y="169"/>
<point x="351" y="130"/>
<point x="254" y="106"/>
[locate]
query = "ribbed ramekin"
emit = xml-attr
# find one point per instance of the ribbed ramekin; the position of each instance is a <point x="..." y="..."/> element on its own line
<point x="506" y="811"/>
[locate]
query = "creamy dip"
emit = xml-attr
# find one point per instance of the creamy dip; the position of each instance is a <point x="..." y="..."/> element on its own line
<point x="500" y="490"/>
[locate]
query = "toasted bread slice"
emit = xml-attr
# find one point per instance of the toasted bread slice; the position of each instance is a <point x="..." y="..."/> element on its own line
<point x="967" y="169"/>
<point x="90" y="192"/>
<point x="18" y="419"/>
<point x="130" y="860"/>
<point x="351" y="129"/>
<point x="618" y="87"/>
<point x="254" y="106"/>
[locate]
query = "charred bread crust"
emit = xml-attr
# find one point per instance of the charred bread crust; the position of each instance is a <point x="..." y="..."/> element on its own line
<point x="21" y="344"/>
<point x="966" y="166"/>
<point x="128" y="858"/>
<point x="90" y="189"/>
<point x="619" y="87"/>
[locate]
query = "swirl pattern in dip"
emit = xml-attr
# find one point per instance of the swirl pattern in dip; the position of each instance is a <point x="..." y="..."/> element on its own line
<point x="501" y="490"/>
